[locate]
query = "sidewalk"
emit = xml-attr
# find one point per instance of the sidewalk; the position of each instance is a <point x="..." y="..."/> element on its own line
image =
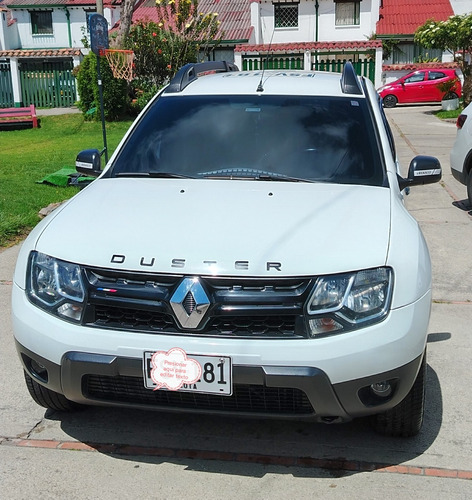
<point x="57" y="111"/>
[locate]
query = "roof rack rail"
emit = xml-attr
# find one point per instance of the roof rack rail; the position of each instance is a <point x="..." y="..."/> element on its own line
<point x="190" y="72"/>
<point x="350" y="83"/>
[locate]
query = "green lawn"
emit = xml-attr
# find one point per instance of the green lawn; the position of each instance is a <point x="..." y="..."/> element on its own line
<point x="27" y="155"/>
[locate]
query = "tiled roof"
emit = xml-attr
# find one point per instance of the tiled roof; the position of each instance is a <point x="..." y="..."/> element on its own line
<point x="307" y="46"/>
<point x="415" y="66"/>
<point x="40" y="53"/>
<point x="234" y="15"/>
<point x="39" y="3"/>
<point x="403" y="17"/>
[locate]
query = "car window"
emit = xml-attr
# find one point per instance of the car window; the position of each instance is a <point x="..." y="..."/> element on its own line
<point x="436" y="75"/>
<point x="417" y="77"/>
<point x="309" y="138"/>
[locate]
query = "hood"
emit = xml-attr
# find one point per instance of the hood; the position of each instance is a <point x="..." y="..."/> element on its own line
<point x="222" y="227"/>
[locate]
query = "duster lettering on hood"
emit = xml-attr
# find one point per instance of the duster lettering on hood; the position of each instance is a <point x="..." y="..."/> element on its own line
<point x="240" y="265"/>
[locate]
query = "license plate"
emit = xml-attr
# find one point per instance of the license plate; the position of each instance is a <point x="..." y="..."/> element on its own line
<point x="175" y="370"/>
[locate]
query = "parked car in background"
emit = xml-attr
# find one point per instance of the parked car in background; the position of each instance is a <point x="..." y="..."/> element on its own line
<point x="419" y="86"/>
<point x="461" y="153"/>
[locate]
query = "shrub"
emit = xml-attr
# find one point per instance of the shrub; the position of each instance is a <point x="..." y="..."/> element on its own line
<point x="116" y="101"/>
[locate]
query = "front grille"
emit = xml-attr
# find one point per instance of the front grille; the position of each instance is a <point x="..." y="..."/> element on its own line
<point x="121" y="318"/>
<point x="239" y="307"/>
<point x="254" y="326"/>
<point x="228" y="326"/>
<point x="245" y="399"/>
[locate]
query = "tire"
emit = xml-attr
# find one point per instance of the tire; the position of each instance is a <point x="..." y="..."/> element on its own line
<point x="405" y="419"/>
<point x="469" y="187"/>
<point x="47" y="398"/>
<point x="390" y="101"/>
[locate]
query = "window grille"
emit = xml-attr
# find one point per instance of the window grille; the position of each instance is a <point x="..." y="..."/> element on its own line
<point x="286" y="15"/>
<point x="41" y="22"/>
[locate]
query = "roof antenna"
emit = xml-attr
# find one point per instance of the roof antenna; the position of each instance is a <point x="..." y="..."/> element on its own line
<point x="260" y="88"/>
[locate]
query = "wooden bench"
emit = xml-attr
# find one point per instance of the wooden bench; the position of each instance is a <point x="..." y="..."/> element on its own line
<point x="19" y="115"/>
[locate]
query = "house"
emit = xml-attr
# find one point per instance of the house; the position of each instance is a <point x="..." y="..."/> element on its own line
<point x="398" y="21"/>
<point x="318" y="34"/>
<point x="40" y="44"/>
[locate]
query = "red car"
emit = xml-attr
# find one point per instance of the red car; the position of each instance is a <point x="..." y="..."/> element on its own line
<point x="419" y="86"/>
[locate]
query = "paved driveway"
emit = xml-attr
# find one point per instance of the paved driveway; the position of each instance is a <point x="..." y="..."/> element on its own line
<point x="128" y="453"/>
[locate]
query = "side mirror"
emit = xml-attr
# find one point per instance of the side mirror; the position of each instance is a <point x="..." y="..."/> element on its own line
<point x="89" y="162"/>
<point x="422" y="170"/>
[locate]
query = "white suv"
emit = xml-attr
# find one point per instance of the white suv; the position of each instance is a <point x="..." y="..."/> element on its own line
<point x="461" y="152"/>
<point x="246" y="250"/>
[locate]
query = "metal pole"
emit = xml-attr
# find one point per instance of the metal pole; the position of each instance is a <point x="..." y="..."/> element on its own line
<point x="102" y="112"/>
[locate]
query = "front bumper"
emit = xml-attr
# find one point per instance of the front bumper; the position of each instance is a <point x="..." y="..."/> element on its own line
<point x="263" y="391"/>
<point x="326" y="379"/>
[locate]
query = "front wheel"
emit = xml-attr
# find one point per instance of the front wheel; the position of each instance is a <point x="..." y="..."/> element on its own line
<point x="390" y="101"/>
<point x="405" y="419"/>
<point x="47" y="398"/>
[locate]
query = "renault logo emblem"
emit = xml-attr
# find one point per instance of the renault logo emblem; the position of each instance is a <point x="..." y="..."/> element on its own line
<point x="190" y="303"/>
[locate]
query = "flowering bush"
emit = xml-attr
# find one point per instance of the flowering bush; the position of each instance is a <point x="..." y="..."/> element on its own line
<point x="180" y="35"/>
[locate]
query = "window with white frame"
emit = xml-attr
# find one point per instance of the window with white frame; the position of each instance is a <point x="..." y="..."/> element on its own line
<point x="41" y="22"/>
<point x="347" y="13"/>
<point x="286" y="15"/>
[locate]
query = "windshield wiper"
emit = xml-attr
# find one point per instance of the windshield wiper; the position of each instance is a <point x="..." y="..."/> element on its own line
<point x="282" y="178"/>
<point x="155" y="175"/>
<point x="250" y="174"/>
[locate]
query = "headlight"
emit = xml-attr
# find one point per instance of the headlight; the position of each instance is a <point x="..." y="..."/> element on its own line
<point x="348" y="301"/>
<point x="56" y="286"/>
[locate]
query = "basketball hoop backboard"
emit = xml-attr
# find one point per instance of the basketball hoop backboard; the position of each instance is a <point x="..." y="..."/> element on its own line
<point x="98" y="33"/>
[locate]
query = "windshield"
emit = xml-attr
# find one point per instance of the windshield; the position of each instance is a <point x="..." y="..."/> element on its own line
<point x="313" y="139"/>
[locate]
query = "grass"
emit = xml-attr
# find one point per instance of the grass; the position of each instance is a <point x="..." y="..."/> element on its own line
<point x="449" y="115"/>
<point x="27" y="155"/>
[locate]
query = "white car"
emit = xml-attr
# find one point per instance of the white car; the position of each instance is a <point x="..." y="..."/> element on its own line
<point x="461" y="153"/>
<point x="246" y="250"/>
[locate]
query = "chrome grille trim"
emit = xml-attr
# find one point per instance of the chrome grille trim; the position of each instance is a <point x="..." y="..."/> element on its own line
<point x="239" y="306"/>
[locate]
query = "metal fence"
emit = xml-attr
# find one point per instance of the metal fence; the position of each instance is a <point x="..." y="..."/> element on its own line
<point x="6" y="89"/>
<point x="364" y="66"/>
<point x="272" y="62"/>
<point x="47" y="84"/>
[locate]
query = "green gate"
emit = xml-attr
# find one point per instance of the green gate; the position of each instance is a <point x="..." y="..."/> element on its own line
<point x="364" y="67"/>
<point x="272" y="62"/>
<point x="6" y="89"/>
<point x="47" y="84"/>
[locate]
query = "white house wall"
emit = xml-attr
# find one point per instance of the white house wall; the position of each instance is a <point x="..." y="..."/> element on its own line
<point x="60" y="37"/>
<point x="9" y="38"/>
<point x="461" y="6"/>
<point x="327" y="30"/>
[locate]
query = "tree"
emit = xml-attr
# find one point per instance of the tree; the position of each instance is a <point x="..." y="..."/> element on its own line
<point x="126" y="17"/>
<point x="454" y="36"/>
<point x="180" y="35"/>
<point x="189" y="31"/>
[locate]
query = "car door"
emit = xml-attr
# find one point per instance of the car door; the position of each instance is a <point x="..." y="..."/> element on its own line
<point x="435" y="77"/>
<point x="413" y="87"/>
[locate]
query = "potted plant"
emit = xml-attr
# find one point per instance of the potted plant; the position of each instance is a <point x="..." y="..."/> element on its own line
<point x="450" y="100"/>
